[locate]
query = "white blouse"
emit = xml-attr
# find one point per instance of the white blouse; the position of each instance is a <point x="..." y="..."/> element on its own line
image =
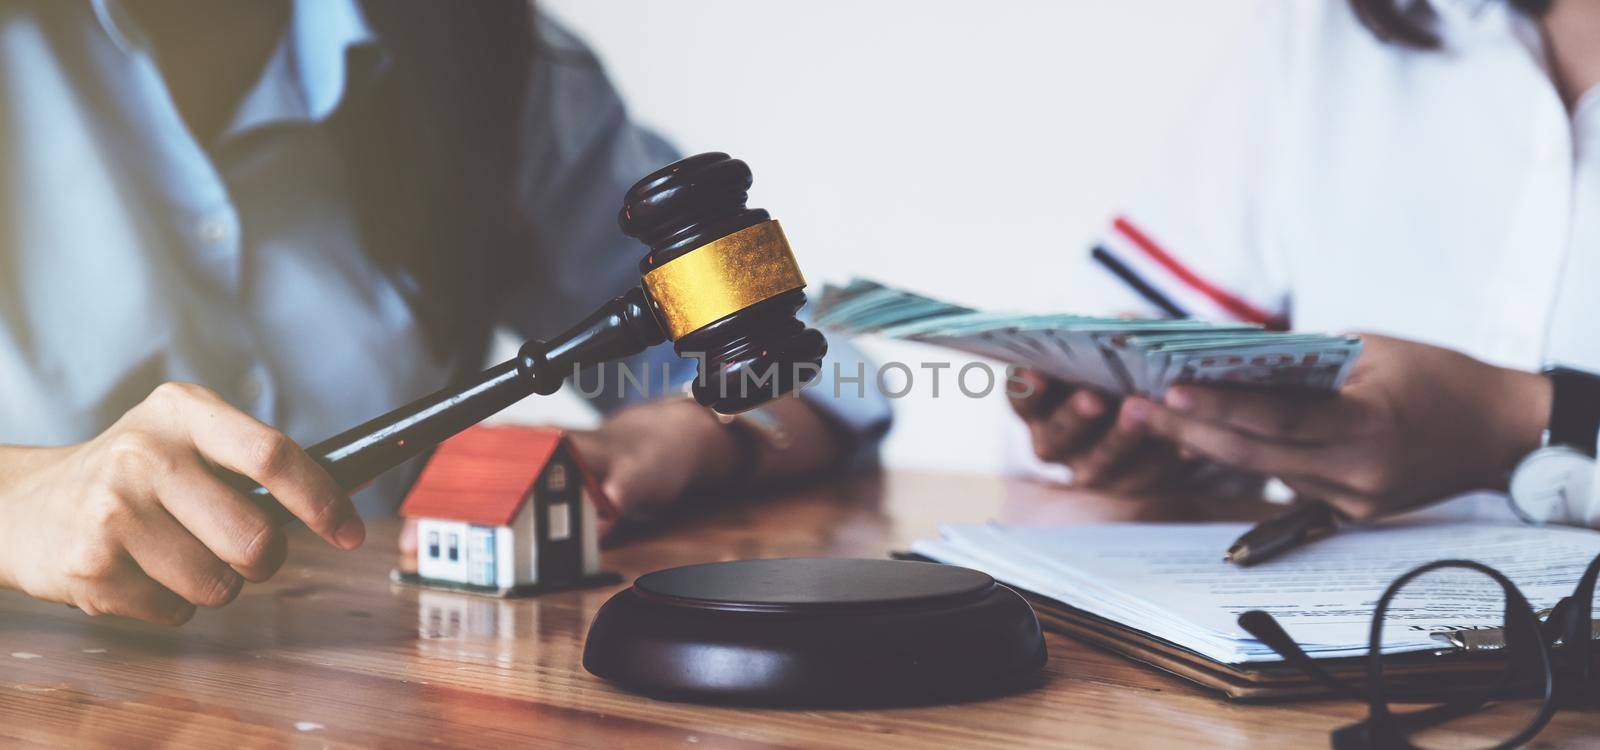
<point x="1338" y="183"/>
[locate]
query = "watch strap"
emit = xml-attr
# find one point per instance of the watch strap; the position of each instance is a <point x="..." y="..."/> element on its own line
<point x="752" y="431"/>
<point x="748" y="463"/>
<point x="1574" y="409"/>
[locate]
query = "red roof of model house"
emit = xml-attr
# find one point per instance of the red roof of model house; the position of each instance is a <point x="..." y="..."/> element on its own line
<point x="482" y="475"/>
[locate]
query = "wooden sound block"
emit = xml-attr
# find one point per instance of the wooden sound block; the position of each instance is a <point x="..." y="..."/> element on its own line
<point x="816" y="632"/>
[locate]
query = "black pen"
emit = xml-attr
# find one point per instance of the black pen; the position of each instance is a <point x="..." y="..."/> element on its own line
<point x="1137" y="284"/>
<point x="1306" y="522"/>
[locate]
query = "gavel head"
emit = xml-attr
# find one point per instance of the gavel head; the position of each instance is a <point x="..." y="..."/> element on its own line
<point x="722" y="282"/>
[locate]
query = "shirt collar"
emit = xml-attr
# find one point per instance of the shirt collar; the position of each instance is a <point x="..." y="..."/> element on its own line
<point x="309" y="73"/>
<point x="1465" y="22"/>
<point x="1461" y="8"/>
<point x="312" y="68"/>
<point x="122" y="30"/>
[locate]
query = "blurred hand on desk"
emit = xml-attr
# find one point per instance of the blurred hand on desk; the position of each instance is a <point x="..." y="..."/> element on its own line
<point x="653" y="456"/>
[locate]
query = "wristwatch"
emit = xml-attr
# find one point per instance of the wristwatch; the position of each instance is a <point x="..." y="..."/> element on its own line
<point x="1554" y="483"/>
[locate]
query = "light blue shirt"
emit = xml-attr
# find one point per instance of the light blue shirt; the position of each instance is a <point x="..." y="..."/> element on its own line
<point x="132" y="254"/>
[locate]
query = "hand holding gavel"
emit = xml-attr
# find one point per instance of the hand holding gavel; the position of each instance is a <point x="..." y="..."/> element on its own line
<point x="180" y="502"/>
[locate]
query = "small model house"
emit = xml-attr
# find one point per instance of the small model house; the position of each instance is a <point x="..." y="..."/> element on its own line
<point x="506" y="510"/>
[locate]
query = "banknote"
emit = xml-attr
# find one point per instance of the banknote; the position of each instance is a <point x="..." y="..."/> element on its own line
<point x="1117" y="355"/>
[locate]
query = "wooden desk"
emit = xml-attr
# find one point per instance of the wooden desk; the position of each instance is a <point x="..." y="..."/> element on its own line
<point x="331" y="653"/>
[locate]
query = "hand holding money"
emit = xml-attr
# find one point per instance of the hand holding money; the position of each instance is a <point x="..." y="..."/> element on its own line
<point x="1414" y="424"/>
<point x="1082" y="367"/>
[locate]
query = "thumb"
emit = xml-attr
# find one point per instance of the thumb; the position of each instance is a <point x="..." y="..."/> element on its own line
<point x="591" y="451"/>
<point x="1044" y="394"/>
<point x="620" y="482"/>
<point x="639" y="487"/>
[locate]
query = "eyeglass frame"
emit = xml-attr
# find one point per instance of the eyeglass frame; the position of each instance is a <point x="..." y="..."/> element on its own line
<point x="1570" y="621"/>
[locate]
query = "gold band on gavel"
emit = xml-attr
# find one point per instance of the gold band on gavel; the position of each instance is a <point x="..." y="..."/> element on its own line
<point x="723" y="277"/>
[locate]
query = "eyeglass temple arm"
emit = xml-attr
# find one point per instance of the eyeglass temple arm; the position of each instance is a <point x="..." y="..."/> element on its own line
<point x="1573" y="620"/>
<point x="1359" y="735"/>
<point x="1267" y="630"/>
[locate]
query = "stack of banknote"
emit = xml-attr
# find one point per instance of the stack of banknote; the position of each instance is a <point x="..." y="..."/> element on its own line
<point x="1116" y="355"/>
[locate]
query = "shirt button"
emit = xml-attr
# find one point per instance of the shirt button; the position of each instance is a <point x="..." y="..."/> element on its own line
<point x="213" y="229"/>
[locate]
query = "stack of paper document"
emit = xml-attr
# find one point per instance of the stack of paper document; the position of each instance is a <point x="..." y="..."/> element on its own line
<point x="1169" y="580"/>
<point x="1115" y="355"/>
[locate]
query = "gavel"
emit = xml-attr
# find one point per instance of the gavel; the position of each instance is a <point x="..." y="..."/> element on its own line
<point x="719" y="280"/>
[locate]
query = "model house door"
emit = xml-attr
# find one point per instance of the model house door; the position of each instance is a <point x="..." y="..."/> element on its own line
<point x="560" y="543"/>
<point x="481" y="564"/>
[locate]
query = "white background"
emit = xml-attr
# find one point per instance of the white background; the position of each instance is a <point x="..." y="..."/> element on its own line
<point x="969" y="150"/>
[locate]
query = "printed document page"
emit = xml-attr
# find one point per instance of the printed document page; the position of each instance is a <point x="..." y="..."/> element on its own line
<point x="1169" y="580"/>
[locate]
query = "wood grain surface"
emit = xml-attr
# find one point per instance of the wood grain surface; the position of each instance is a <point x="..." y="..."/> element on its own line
<point x="330" y="653"/>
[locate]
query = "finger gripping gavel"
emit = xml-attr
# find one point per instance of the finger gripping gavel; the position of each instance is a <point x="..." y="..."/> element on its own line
<point x="719" y="280"/>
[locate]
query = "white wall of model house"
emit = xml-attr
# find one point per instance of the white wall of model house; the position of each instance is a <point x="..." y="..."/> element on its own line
<point x="503" y="556"/>
<point x="442" y="549"/>
<point x="591" y="536"/>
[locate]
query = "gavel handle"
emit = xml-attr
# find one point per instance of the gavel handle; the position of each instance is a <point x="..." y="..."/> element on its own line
<point x="622" y="327"/>
<point x="358" y="455"/>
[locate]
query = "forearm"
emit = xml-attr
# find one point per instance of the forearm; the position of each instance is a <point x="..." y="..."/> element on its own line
<point x="22" y="470"/>
<point x="17" y="463"/>
<point x="14" y="471"/>
<point x="1521" y="413"/>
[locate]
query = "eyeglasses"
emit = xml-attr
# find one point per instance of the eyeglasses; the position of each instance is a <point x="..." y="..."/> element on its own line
<point x="1535" y="666"/>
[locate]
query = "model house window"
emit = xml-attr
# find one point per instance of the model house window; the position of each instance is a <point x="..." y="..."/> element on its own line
<point x="433" y="545"/>
<point x="455" y="547"/>
<point x="556" y="479"/>
<point x="558" y="523"/>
